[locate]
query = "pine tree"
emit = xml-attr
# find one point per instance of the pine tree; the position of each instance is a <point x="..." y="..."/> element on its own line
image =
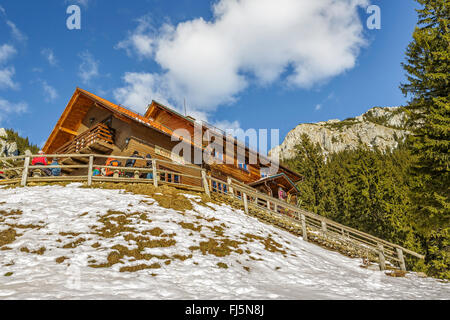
<point x="428" y="70"/>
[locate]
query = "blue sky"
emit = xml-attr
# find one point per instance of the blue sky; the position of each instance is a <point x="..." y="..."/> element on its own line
<point x="237" y="63"/>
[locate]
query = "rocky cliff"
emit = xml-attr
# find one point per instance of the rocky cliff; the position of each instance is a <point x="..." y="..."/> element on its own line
<point x="7" y="148"/>
<point x="381" y="128"/>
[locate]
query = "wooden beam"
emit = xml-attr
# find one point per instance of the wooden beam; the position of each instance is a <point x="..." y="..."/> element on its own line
<point x="74" y="133"/>
<point x="66" y="111"/>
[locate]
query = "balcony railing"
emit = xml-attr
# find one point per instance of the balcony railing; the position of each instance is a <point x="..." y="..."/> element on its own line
<point x="101" y="133"/>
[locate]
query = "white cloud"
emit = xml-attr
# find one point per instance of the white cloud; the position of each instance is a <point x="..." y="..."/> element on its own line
<point x="228" y="126"/>
<point x="50" y="56"/>
<point x="51" y="93"/>
<point x="80" y="2"/>
<point x="300" y="42"/>
<point x="16" y="33"/>
<point x="6" y="80"/>
<point x="88" y="68"/>
<point x="318" y="107"/>
<point x="7" y="107"/>
<point x="138" y="92"/>
<point x="139" y="41"/>
<point x="6" y="52"/>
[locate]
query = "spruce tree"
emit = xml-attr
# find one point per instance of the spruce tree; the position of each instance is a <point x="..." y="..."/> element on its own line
<point x="428" y="68"/>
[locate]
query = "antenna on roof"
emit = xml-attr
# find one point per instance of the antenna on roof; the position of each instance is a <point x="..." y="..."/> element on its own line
<point x="185" y="113"/>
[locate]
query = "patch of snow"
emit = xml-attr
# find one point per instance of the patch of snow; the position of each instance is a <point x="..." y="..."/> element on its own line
<point x="304" y="271"/>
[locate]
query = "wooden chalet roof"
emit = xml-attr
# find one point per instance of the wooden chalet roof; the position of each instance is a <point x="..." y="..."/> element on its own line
<point x="76" y="110"/>
<point x="155" y="108"/>
<point x="281" y="178"/>
<point x="82" y="100"/>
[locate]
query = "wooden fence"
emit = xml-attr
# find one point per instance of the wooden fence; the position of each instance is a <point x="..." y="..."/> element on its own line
<point x="250" y="197"/>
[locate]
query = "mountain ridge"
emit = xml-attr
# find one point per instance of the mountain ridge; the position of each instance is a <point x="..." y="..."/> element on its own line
<point x="380" y="127"/>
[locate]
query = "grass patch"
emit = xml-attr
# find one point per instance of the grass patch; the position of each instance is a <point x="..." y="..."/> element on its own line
<point x="156" y="232"/>
<point x="269" y="244"/>
<point x="7" y="236"/>
<point x="8" y="274"/>
<point x="140" y="267"/>
<point x="73" y="234"/>
<point x="61" y="259"/>
<point x="190" y="226"/>
<point x="40" y="251"/>
<point x="10" y="213"/>
<point x="222" y="265"/>
<point x="171" y="198"/>
<point x="74" y="244"/>
<point x="221" y="248"/>
<point x="396" y="273"/>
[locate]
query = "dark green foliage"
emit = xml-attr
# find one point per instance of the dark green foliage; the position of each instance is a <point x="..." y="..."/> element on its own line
<point x="402" y="196"/>
<point x="364" y="189"/>
<point x="428" y="69"/>
<point x="22" y="143"/>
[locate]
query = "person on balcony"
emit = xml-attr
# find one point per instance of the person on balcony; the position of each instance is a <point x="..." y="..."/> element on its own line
<point x="56" y="172"/>
<point x="41" y="160"/>
<point x="130" y="164"/>
<point x="149" y="165"/>
<point x="281" y="194"/>
<point x="96" y="172"/>
<point x="111" y="162"/>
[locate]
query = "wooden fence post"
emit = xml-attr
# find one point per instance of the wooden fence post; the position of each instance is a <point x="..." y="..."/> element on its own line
<point x="211" y="183"/>
<point x="230" y="187"/>
<point x="244" y="196"/>
<point x="268" y="204"/>
<point x="205" y="183"/>
<point x="155" y="173"/>
<point x="90" y="169"/>
<point x="324" y="227"/>
<point x="25" y="171"/>
<point x="381" y="257"/>
<point x="304" y="230"/>
<point x="401" y="259"/>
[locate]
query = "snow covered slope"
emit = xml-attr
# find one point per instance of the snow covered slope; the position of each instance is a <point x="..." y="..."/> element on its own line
<point x="69" y="242"/>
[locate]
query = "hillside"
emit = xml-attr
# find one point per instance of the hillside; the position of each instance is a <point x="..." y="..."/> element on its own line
<point x="382" y="128"/>
<point x="12" y="144"/>
<point x="71" y="242"/>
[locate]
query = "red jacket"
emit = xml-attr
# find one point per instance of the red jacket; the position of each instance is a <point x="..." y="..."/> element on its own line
<point x="39" y="160"/>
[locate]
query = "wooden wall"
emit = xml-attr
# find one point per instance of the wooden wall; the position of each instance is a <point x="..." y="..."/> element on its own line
<point x="146" y="147"/>
<point x="144" y="139"/>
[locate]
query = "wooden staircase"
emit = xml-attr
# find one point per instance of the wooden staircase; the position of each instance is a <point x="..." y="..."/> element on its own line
<point x="98" y="140"/>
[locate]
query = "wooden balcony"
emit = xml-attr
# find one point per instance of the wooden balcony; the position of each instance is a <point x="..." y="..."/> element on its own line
<point x="99" y="139"/>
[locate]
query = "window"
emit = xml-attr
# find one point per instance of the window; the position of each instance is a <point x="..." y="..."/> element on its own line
<point x="169" y="177"/>
<point x="243" y="166"/>
<point x="218" y="155"/>
<point x="264" y="171"/>
<point x="219" y="187"/>
<point x="108" y="121"/>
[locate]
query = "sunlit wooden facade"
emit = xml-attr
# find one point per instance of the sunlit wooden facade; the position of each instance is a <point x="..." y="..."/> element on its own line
<point x="90" y="124"/>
